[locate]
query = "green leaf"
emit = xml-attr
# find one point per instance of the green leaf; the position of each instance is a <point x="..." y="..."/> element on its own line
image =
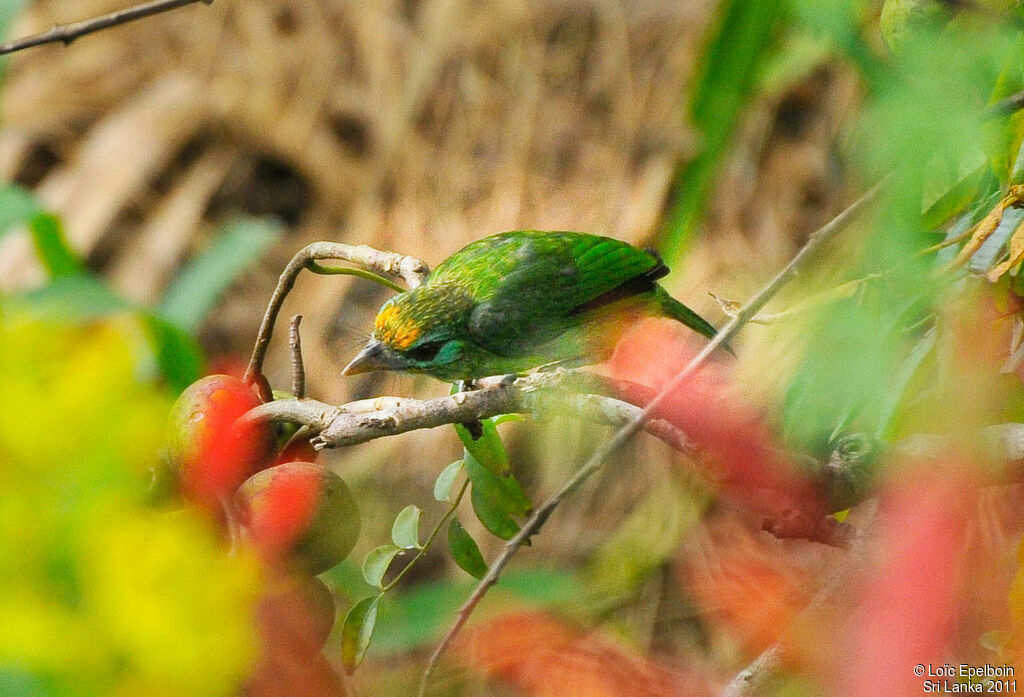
<point x="496" y="521"/>
<point x="200" y="285"/>
<point x="898" y="386"/>
<point x="445" y="480"/>
<point x="725" y="82"/>
<point x="488" y="448"/>
<point x="17" y="207"/>
<point x="178" y="354"/>
<point x="955" y="199"/>
<point x="57" y="257"/>
<point x="504" y="492"/>
<point x="74" y="298"/>
<point x="465" y="551"/>
<point x="405" y="532"/>
<point x="357" y="631"/>
<point x="376" y="564"/>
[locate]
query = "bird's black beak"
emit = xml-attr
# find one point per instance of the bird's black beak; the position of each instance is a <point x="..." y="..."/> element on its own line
<point x="374" y="356"/>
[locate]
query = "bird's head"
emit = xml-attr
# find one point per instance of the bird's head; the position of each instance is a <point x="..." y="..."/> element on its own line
<point x="417" y="331"/>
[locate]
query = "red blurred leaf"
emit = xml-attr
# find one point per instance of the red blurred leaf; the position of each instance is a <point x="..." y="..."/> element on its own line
<point x="542" y="656"/>
<point x="909" y="602"/>
<point x="749" y="583"/>
<point x="742" y="457"/>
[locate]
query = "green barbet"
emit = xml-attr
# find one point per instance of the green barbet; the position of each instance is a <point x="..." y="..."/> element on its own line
<point x="518" y="300"/>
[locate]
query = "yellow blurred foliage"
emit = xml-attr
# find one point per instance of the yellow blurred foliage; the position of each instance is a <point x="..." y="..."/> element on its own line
<point x="100" y="592"/>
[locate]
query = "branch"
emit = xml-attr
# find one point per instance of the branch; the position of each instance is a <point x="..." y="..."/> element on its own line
<point x="298" y="370"/>
<point x="637" y="422"/>
<point x="66" y="33"/>
<point x="541" y="394"/>
<point x="410" y="269"/>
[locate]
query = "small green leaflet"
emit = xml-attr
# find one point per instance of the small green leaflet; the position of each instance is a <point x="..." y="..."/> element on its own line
<point x="445" y="481"/>
<point x="495" y="499"/>
<point x="497" y="522"/>
<point x="376" y="563"/>
<point x="504" y="492"/>
<point x="487" y="449"/>
<point x="406" y="530"/>
<point x="465" y="551"/>
<point x="357" y="630"/>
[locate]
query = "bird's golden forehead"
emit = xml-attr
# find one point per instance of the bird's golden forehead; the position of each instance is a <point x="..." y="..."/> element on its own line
<point x="396" y="329"/>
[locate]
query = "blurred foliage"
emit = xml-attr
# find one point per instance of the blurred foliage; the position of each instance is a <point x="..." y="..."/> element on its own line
<point x="103" y="593"/>
<point x="927" y="122"/>
<point x="74" y="294"/>
<point x="729" y="69"/>
<point x="113" y="594"/>
<point x="193" y="293"/>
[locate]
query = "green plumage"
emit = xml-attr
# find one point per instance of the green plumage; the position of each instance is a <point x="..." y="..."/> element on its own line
<point x="516" y="300"/>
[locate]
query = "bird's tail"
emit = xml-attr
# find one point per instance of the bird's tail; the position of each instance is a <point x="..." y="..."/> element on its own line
<point x="681" y="313"/>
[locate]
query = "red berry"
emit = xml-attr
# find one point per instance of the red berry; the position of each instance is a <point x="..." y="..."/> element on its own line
<point x="210" y="449"/>
<point x="299" y="512"/>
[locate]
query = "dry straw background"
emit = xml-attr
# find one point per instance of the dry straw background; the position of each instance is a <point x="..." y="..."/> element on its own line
<point x="409" y="125"/>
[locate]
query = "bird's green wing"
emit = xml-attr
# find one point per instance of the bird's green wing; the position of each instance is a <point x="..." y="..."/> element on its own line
<point x="532" y="286"/>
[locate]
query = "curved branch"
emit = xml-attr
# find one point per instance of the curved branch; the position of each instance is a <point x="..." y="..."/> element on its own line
<point x="410" y="269"/>
<point x="66" y="33"/>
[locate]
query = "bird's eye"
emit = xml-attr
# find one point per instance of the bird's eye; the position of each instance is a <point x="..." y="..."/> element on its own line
<point x="427" y="351"/>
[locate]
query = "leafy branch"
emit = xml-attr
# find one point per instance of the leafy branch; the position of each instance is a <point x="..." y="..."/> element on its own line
<point x="357" y="629"/>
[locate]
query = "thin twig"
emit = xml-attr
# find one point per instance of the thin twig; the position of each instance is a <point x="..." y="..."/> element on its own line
<point x="66" y="33"/>
<point x="410" y="269"/>
<point x="298" y="370"/>
<point x="632" y="427"/>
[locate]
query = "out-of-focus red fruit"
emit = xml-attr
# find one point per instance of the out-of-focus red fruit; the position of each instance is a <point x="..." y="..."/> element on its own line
<point x="309" y="600"/>
<point x="209" y="448"/>
<point x="299" y="512"/>
<point x="294" y="618"/>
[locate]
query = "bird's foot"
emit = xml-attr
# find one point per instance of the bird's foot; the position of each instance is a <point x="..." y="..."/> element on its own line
<point x="475" y="427"/>
<point x="564" y="364"/>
